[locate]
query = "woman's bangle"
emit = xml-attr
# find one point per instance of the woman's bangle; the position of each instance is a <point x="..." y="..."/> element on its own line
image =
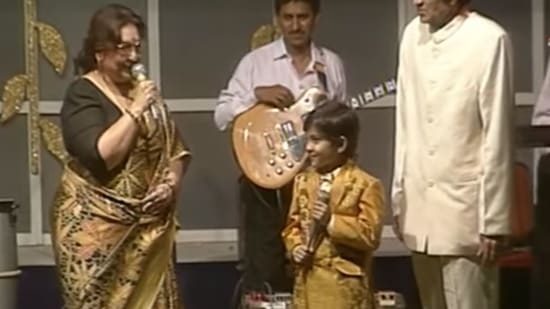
<point x="133" y="116"/>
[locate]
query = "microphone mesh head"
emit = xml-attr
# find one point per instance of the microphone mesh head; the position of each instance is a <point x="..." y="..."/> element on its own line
<point x="138" y="71"/>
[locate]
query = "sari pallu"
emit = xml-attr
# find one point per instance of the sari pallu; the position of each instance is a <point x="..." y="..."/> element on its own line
<point x="109" y="251"/>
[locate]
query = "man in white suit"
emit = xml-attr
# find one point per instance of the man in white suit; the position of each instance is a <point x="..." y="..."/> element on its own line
<point x="452" y="184"/>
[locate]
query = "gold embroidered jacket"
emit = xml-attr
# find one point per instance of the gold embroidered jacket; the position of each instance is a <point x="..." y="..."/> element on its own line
<point x="338" y="275"/>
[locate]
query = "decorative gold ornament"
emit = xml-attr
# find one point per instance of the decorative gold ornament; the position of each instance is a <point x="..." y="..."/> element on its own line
<point x="51" y="133"/>
<point x="52" y="46"/>
<point x="25" y="86"/>
<point x="263" y="35"/>
<point x="13" y="96"/>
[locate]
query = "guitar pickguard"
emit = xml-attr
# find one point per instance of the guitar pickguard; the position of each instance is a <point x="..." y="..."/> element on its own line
<point x="295" y="143"/>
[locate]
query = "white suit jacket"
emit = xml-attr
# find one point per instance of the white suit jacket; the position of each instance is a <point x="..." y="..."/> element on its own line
<point x="453" y="149"/>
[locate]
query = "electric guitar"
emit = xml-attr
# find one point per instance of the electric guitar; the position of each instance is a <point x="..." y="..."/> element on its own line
<point x="269" y="143"/>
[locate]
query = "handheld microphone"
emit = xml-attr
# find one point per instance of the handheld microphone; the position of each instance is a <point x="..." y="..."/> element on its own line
<point x="315" y="228"/>
<point x="139" y="73"/>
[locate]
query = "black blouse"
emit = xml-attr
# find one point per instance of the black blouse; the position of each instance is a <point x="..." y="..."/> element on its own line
<point x="86" y="113"/>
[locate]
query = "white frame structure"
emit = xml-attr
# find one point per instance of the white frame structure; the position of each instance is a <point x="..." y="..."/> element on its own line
<point x="405" y="13"/>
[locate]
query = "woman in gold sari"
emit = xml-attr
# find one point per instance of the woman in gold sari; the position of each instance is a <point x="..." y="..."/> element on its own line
<point x="114" y="212"/>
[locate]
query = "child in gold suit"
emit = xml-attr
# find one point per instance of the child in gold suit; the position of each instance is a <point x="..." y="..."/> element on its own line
<point x="335" y="219"/>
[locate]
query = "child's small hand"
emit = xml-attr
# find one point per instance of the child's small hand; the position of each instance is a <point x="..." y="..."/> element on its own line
<point x="300" y="253"/>
<point x="320" y="212"/>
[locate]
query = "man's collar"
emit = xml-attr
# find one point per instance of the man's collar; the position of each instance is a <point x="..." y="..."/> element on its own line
<point x="281" y="52"/>
<point x="280" y="49"/>
<point x="450" y="28"/>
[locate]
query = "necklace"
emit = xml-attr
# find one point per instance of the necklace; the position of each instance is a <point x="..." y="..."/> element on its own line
<point x="124" y="100"/>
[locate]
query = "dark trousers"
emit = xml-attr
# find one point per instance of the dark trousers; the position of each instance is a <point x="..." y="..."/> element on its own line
<point x="263" y="219"/>
<point x="541" y="240"/>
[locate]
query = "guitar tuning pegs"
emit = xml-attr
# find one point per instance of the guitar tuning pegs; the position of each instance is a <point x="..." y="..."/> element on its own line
<point x="390" y="86"/>
<point x="379" y="91"/>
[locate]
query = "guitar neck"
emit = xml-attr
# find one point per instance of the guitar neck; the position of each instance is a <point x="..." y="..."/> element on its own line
<point x="363" y="99"/>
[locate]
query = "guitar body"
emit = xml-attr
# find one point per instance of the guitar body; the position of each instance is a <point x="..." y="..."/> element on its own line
<point x="269" y="143"/>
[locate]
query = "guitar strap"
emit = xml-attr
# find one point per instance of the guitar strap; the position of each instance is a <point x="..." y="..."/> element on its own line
<point x="322" y="79"/>
<point x="319" y="68"/>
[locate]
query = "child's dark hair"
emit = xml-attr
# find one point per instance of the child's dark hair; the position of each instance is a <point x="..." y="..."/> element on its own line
<point x="333" y="120"/>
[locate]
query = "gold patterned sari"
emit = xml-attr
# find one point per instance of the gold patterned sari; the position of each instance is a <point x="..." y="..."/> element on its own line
<point x="110" y="253"/>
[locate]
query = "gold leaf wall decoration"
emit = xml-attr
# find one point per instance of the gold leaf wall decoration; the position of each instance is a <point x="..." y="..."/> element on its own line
<point x="263" y="35"/>
<point x="13" y="96"/>
<point x="39" y="37"/>
<point x="52" y="46"/>
<point x="51" y="133"/>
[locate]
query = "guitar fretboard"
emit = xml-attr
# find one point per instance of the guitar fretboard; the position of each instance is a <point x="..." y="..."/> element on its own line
<point x="363" y="99"/>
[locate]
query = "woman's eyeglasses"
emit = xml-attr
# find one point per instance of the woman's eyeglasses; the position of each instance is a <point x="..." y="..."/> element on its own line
<point x="127" y="47"/>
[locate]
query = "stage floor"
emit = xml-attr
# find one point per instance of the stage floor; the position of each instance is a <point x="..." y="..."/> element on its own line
<point x="203" y="285"/>
<point x="207" y="275"/>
